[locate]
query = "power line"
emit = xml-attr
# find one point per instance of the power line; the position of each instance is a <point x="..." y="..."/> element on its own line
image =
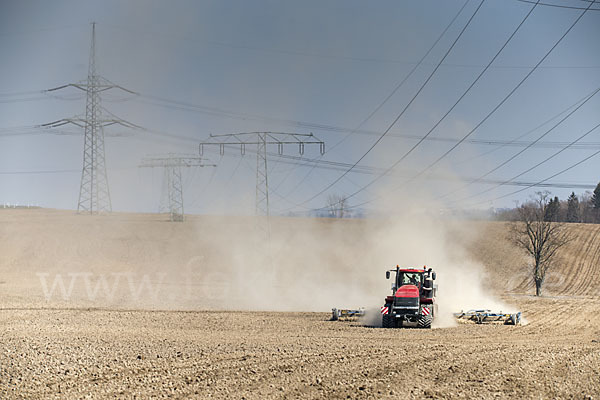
<point x="562" y="185"/>
<point x="456" y="103"/>
<point x="512" y="35"/>
<point x="563" y="6"/>
<point x="257" y="48"/>
<point x="388" y="97"/>
<point x="528" y="146"/>
<point x="314" y="126"/>
<point x="26" y="93"/>
<point x="29" y="32"/>
<point x="262" y="140"/>
<point x="23" y="100"/>
<point x="300" y="161"/>
<point x="371" y="171"/>
<point x="55" y="171"/>
<point x="212" y="178"/>
<point x="293" y="52"/>
<point x="518" y="138"/>
<point x="535" y="166"/>
<point x="481" y="122"/>
<point x="449" y="111"/>
<point x="507" y="96"/>
<point x="401" y="113"/>
<point x="40" y="130"/>
<point x="538" y="183"/>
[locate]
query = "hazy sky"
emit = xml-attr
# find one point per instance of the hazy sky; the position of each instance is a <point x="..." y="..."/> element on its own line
<point x="267" y="65"/>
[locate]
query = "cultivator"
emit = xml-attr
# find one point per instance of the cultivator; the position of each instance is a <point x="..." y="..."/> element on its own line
<point x="487" y="316"/>
<point x="344" y="314"/>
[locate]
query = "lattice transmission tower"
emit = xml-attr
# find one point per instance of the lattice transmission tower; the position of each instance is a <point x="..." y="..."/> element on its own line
<point x="262" y="140"/>
<point x="172" y="164"/>
<point x="94" y="192"/>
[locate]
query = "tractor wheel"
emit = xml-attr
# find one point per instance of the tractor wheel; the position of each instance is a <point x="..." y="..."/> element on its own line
<point x="425" y="321"/>
<point x="388" y="321"/>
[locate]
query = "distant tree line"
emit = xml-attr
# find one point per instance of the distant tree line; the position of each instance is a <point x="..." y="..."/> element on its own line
<point x="583" y="208"/>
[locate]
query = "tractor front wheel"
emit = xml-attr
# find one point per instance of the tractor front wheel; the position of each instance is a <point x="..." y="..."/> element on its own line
<point x="388" y="321"/>
<point x="425" y="321"/>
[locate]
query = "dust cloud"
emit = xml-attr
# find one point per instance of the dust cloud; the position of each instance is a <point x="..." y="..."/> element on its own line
<point x="316" y="265"/>
<point x="228" y="263"/>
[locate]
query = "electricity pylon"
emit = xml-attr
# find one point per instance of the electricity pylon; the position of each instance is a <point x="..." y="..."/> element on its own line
<point x="94" y="193"/>
<point x="172" y="164"/>
<point x="261" y="140"/>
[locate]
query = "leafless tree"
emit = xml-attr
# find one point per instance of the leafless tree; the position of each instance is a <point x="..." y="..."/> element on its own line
<point x="541" y="239"/>
<point x="337" y="205"/>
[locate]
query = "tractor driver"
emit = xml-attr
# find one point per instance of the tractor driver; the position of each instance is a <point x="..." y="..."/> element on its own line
<point x="414" y="280"/>
<point x="411" y="279"/>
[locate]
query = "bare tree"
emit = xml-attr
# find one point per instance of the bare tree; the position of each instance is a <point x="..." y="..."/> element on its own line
<point x="337" y="205"/>
<point x="539" y="237"/>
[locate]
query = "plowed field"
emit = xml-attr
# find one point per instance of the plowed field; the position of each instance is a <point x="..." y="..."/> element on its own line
<point x="194" y="335"/>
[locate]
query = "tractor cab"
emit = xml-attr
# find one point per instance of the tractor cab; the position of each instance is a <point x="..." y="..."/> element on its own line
<point x="409" y="278"/>
<point x="422" y="279"/>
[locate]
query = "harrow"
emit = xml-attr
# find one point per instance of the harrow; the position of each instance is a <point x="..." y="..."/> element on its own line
<point x="487" y="316"/>
<point x="338" y="314"/>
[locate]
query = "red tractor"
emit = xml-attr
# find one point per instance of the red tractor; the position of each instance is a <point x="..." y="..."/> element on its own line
<point x="412" y="302"/>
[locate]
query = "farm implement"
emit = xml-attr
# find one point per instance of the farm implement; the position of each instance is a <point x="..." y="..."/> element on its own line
<point x="345" y="314"/>
<point x="487" y="316"/>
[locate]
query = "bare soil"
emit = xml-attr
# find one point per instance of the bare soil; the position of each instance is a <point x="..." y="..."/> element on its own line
<point x="101" y="353"/>
<point x="81" y="348"/>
